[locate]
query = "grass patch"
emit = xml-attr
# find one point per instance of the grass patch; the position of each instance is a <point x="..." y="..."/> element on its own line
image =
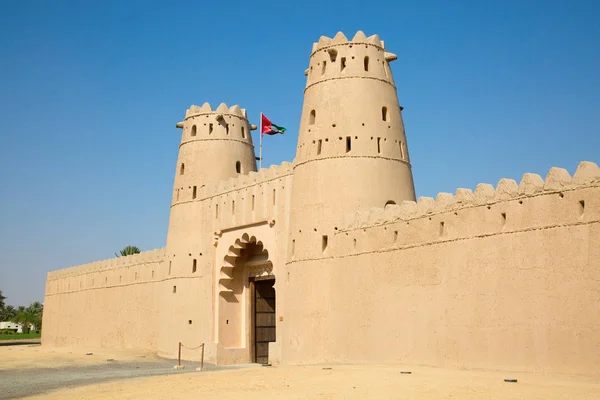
<point x="17" y="336"/>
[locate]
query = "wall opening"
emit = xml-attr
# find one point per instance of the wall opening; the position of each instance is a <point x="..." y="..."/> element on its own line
<point x="194" y="190"/>
<point x="366" y="62"/>
<point x="243" y="133"/>
<point x="503" y="219"/>
<point x="354" y="243"/>
<point x="252" y="202"/>
<point x="323" y="67"/>
<point x="226" y="128"/>
<point x="581" y="207"/>
<point x="324" y="242"/>
<point x="169" y="267"/>
<point x="311" y="119"/>
<point x="120" y="279"/>
<point x="343" y="64"/>
<point x="332" y="54"/>
<point x="395" y="236"/>
<point x="379" y="145"/>
<point x="182" y="169"/>
<point x="233" y="206"/>
<point x="194" y="265"/>
<point x="274" y="196"/>
<point x="385" y="71"/>
<point x="401" y="149"/>
<point x="189" y="321"/>
<point x="153" y="273"/>
<point x="174" y="289"/>
<point x="238" y="167"/>
<point x="194" y="130"/>
<point x="319" y="145"/>
<point x="389" y="203"/>
<point x="348" y="144"/>
<point x="210" y="128"/>
<point x="442" y="228"/>
<point x="293" y="247"/>
<point x="384" y="113"/>
<point x="216" y="211"/>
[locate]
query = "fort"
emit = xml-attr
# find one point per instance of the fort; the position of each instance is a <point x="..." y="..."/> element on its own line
<point x="332" y="259"/>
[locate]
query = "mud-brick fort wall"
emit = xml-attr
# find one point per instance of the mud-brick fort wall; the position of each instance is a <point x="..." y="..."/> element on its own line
<point x="504" y="278"/>
<point x="110" y="303"/>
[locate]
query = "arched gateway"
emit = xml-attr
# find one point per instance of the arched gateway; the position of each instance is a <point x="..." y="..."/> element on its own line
<point x="246" y="302"/>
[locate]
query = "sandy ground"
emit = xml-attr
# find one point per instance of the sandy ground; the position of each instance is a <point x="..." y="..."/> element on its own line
<point x="303" y="382"/>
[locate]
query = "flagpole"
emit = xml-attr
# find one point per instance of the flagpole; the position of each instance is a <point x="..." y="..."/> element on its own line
<point x="261" y="135"/>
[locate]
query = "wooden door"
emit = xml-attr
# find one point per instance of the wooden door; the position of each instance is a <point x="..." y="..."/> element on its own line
<point x="264" y="319"/>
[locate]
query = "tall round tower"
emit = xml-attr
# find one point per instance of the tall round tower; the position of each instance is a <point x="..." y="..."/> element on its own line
<point x="352" y="152"/>
<point x="215" y="145"/>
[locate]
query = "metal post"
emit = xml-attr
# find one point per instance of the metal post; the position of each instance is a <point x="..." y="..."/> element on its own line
<point x="179" y="357"/>
<point x="261" y="135"/>
<point x="202" y="359"/>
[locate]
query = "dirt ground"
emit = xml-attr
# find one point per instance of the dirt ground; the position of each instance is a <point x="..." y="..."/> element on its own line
<point x="302" y="382"/>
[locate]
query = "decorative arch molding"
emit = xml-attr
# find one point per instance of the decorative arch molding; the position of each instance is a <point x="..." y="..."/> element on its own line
<point x="259" y="263"/>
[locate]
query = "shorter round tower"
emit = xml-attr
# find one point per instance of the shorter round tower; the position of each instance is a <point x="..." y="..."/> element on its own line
<point x="216" y="145"/>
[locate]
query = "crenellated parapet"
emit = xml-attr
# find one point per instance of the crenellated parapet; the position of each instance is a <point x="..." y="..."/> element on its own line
<point x="146" y="257"/>
<point x="338" y="58"/>
<point x="557" y="180"/>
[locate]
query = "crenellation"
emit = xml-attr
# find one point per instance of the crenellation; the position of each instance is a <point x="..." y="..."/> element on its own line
<point x="443" y="201"/>
<point x="531" y="184"/>
<point x="557" y="179"/>
<point x="409" y="209"/>
<point x="427" y="204"/>
<point x="506" y="189"/>
<point x="484" y="193"/>
<point x="587" y="172"/>
<point x="464" y="197"/>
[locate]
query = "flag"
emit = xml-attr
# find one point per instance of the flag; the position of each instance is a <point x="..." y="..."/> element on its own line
<point x="269" y="128"/>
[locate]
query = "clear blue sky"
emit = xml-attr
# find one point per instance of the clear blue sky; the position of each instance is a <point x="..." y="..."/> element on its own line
<point x="90" y="93"/>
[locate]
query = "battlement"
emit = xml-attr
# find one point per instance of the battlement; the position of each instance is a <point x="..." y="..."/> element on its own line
<point x="362" y="57"/>
<point x="557" y="180"/>
<point x="251" y="179"/>
<point x="341" y="39"/>
<point x="150" y="256"/>
<point x="221" y="109"/>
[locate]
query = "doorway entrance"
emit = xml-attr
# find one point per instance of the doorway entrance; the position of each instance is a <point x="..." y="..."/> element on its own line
<point x="264" y="318"/>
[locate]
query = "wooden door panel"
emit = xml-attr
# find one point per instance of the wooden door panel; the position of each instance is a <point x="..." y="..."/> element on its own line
<point x="264" y="319"/>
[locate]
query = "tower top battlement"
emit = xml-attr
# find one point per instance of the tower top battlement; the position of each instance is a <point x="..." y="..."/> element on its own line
<point x="359" y="38"/>
<point x="236" y="110"/>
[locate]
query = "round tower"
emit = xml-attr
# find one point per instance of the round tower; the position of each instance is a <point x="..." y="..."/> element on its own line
<point x="352" y="151"/>
<point x="216" y="145"/>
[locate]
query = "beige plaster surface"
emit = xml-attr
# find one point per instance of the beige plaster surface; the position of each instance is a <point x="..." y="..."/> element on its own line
<point x="340" y="382"/>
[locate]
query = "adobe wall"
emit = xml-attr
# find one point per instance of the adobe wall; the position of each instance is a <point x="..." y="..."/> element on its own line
<point x="503" y="278"/>
<point x="111" y="303"/>
<point x="204" y="231"/>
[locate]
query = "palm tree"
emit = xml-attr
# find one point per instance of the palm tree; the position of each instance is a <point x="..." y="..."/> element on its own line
<point x="1" y="300"/>
<point x="129" y="250"/>
<point x="8" y="313"/>
<point x="29" y="316"/>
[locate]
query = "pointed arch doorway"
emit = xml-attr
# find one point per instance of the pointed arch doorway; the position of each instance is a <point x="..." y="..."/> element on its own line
<point x="246" y="304"/>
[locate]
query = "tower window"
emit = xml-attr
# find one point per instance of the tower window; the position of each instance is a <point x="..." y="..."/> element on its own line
<point x="169" y="267"/>
<point x="401" y="150"/>
<point x="174" y="289"/>
<point x="378" y="145"/>
<point x="233" y="206"/>
<point x="384" y="113"/>
<point x="194" y="192"/>
<point x="343" y="63"/>
<point x="332" y="54"/>
<point x="182" y="169"/>
<point x="194" y="265"/>
<point x="243" y="133"/>
<point x="194" y="130"/>
<point x="324" y="242"/>
<point x="216" y="211"/>
<point x="323" y="67"/>
<point x="227" y="129"/>
<point x="311" y="119"/>
<point x="348" y="144"/>
<point x="238" y="167"/>
<point x="210" y="128"/>
<point x="319" y="145"/>
<point x="274" y="196"/>
<point x="366" y="63"/>
<point x="252" y="202"/>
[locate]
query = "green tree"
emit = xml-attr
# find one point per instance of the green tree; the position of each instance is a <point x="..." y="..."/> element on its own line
<point x="29" y="316"/>
<point x="127" y="251"/>
<point x="8" y="313"/>
<point x="2" y="298"/>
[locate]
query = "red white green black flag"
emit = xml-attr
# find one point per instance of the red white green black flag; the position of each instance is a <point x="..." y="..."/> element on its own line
<point x="268" y="128"/>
